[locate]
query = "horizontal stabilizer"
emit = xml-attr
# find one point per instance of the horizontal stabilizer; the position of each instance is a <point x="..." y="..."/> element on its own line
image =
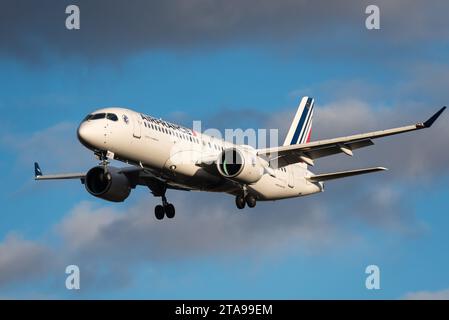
<point x="343" y="174"/>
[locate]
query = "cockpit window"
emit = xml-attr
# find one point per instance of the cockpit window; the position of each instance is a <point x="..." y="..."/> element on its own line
<point x="98" y="116"/>
<point x="112" y="117"/>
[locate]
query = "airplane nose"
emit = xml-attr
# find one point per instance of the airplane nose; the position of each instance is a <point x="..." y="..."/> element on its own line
<point x="89" y="135"/>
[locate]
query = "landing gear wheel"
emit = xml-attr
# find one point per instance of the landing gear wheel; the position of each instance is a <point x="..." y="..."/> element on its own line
<point x="250" y="201"/>
<point x="170" y="211"/>
<point x="159" y="212"/>
<point x="240" y="202"/>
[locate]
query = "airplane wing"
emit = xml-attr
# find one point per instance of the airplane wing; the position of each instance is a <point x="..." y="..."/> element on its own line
<point x="343" y="174"/>
<point x="136" y="176"/>
<point x="39" y="176"/>
<point x="308" y="152"/>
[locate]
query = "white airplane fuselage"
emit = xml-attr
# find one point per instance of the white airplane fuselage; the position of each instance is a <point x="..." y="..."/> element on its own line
<point x="173" y="153"/>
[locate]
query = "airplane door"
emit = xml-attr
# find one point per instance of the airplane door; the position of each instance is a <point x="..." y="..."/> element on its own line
<point x="290" y="177"/>
<point x="137" y="126"/>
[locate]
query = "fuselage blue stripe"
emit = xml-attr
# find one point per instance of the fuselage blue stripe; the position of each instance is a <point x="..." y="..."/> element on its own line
<point x="301" y="122"/>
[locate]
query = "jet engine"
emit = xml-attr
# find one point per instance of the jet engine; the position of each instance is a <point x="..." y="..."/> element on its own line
<point x="109" y="185"/>
<point x="240" y="165"/>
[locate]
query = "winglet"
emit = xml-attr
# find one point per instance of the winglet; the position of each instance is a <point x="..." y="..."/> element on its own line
<point x="433" y="118"/>
<point x="37" y="170"/>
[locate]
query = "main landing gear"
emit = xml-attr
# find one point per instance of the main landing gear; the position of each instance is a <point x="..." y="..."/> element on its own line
<point x="159" y="189"/>
<point x="245" y="198"/>
<point x="166" y="209"/>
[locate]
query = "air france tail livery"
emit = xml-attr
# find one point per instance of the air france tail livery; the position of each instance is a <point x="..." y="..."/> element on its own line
<point x="161" y="155"/>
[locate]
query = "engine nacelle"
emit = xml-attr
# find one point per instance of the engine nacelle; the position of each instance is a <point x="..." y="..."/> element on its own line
<point x="240" y="165"/>
<point x="112" y="185"/>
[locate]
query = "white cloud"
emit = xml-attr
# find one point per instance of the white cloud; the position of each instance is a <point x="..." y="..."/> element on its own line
<point x="21" y="260"/>
<point x="204" y="225"/>
<point x="55" y="147"/>
<point x="105" y="241"/>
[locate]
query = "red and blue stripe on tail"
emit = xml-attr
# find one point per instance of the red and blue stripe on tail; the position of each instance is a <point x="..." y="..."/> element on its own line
<point x="301" y="127"/>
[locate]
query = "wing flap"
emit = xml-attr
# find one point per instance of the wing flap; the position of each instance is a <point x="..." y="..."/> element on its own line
<point x="343" y="174"/>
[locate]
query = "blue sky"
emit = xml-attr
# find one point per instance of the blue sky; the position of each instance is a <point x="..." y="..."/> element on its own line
<point x="316" y="247"/>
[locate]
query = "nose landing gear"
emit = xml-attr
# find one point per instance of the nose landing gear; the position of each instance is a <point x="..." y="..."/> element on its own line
<point x="103" y="157"/>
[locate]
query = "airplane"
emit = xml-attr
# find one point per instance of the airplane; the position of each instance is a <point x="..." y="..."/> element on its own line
<point x="161" y="155"/>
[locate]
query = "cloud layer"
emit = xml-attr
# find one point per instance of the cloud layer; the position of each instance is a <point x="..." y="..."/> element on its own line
<point x="22" y="260"/>
<point x="113" y="28"/>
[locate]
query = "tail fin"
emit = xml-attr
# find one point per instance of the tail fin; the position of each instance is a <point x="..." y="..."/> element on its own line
<point x="301" y="127"/>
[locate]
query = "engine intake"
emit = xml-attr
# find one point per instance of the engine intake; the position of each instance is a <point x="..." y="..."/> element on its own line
<point x="239" y="165"/>
<point x="110" y="185"/>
